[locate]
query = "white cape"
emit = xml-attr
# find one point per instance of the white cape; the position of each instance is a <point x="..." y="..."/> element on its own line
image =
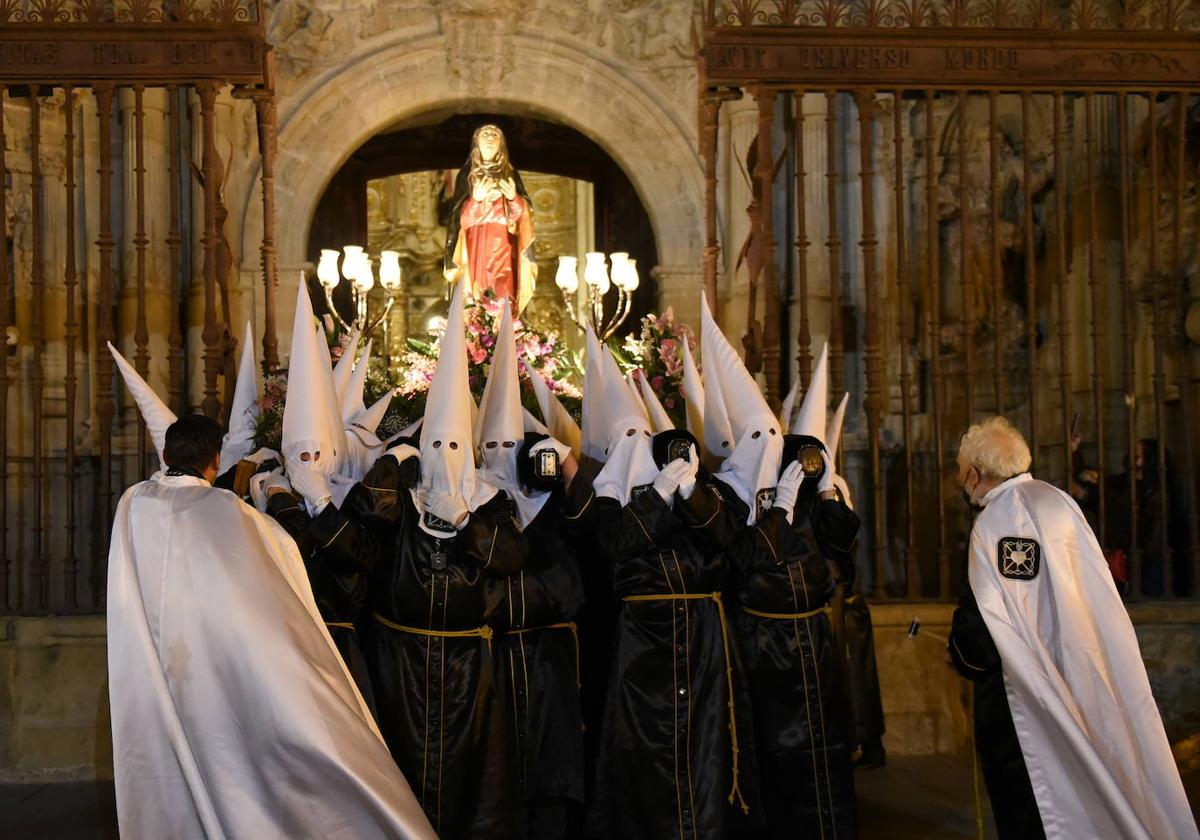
<point x="1093" y="741"/>
<point x="233" y="714"/>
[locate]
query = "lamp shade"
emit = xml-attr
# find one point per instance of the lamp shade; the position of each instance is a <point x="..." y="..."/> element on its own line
<point x="567" y="277"/>
<point x="618" y="272"/>
<point x="632" y="281"/>
<point x="595" y="272"/>
<point x="389" y="270"/>
<point x="364" y="277"/>
<point x="327" y="268"/>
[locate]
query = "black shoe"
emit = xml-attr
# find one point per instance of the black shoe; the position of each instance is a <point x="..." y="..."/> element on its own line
<point x="870" y="756"/>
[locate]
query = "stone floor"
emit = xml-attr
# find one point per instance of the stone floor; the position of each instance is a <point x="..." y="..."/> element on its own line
<point x="910" y="799"/>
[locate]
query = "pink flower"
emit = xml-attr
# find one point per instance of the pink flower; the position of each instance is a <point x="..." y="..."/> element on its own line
<point x="657" y="384"/>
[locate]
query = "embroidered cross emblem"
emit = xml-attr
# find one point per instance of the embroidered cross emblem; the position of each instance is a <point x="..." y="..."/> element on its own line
<point x="1019" y="558"/>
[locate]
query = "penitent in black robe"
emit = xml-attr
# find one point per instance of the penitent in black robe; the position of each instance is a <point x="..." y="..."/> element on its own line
<point x="667" y="765"/>
<point x="975" y="657"/>
<point x="781" y="582"/>
<point x="431" y="653"/>
<point x="537" y="654"/>
<point x="337" y="559"/>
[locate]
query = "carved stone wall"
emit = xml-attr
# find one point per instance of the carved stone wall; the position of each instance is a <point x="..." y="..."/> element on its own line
<point x="623" y="73"/>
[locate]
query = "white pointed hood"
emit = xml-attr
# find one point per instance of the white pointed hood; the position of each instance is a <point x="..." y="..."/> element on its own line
<point x="351" y="399"/>
<point x="154" y="411"/>
<point x="447" y="443"/>
<point x="243" y="413"/>
<point x="532" y="424"/>
<point x="594" y="435"/>
<point x="500" y="430"/>
<point x="344" y="368"/>
<point x="560" y="422"/>
<point x="660" y="421"/>
<point x="693" y="396"/>
<point x="363" y="446"/>
<point x="632" y="382"/>
<point x="310" y="409"/>
<point x="753" y="468"/>
<point x="718" y="431"/>
<point x="811" y="418"/>
<point x="833" y="439"/>
<point x="630" y="458"/>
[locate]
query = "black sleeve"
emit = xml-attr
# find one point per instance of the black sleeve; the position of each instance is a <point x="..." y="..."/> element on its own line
<point x="971" y="647"/>
<point x="635" y="529"/>
<point x="377" y="501"/>
<point x="492" y="538"/>
<point x="345" y="546"/>
<point x="579" y="502"/>
<point x="836" y="528"/>
<point x="289" y="511"/>
<point x="710" y="521"/>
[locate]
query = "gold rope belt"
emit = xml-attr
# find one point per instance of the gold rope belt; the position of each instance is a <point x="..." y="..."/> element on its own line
<point x="787" y="616"/>
<point x="483" y="632"/>
<point x="715" y="597"/>
<point x="562" y="625"/>
<point x="343" y="624"/>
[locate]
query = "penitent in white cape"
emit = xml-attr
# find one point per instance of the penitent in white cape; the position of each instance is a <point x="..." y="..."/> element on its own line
<point x="233" y="714"/>
<point x="1094" y="745"/>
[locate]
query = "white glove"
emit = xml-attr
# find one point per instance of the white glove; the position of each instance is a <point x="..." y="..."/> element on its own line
<point x="788" y="489"/>
<point x="668" y="479"/>
<point x="310" y="483"/>
<point x="687" y="485"/>
<point x="550" y="443"/>
<point x="263" y="455"/>
<point x="825" y="483"/>
<point x="261" y="485"/>
<point x="448" y="508"/>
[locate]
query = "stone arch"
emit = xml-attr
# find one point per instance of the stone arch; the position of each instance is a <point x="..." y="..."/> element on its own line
<point x="382" y="88"/>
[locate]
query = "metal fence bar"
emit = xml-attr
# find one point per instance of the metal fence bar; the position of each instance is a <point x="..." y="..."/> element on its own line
<point x="105" y="406"/>
<point x="933" y="273"/>
<point x="770" y="284"/>
<point x="1099" y="308"/>
<point x="1128" y="315"/>
<point x="1158" y="336"/>
<point x="176" y="388"/>
<point x="1031" y="331"/>
<point x="967" y="316"/>
<point x="804" y="334"/>
<point x="211" y="335"/>
<point x="833" y="242"/>
<point x="5" y="317"/>
<point x="70" y="378"/>
<point x="37" y="338"/>
<point x="912" y="568"/>
<point x="1061" y="284"/>
<point x="141" y="334"/>
<point x="996" y="290"/>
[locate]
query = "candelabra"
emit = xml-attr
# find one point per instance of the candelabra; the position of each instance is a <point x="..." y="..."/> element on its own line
<point x="599" y="278"/>
<point x="356" y="269"/>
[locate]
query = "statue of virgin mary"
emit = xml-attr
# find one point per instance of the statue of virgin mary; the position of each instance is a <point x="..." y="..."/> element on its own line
<point x="489" y="241"/>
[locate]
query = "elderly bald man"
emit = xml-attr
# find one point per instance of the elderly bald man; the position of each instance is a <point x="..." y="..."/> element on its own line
<point x="1069" y="737"/>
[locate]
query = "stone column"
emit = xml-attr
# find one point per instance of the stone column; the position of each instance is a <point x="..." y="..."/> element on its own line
<point x="679" y="287"/>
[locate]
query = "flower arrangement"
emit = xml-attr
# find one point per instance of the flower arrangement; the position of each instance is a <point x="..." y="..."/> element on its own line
<point x="656" y="353"/>
<point x="541" y="351"/>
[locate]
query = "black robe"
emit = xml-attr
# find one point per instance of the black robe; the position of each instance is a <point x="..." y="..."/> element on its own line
<point x="338" y="558"/>
<point x="538" y="660"/>
<point x="999" y="751"/>
<point x="778" y="573"/>
<point x="447" y="726"/>
<point x="666" y="766"/>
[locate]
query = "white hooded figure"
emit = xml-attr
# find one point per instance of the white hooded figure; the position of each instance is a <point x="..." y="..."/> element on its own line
<point x="312" y="436"/>
<point x="363" y="446"/>
<point x="500" y="429"/>
<point x="244" y="411"/>
<point x="233" y="714"/>
<point x="629" y="457"/>
<point x="752" y="470"/>
<point x="450" y="488"/>
<point x="154" y="411"/>
<point x="718" y="438"/>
